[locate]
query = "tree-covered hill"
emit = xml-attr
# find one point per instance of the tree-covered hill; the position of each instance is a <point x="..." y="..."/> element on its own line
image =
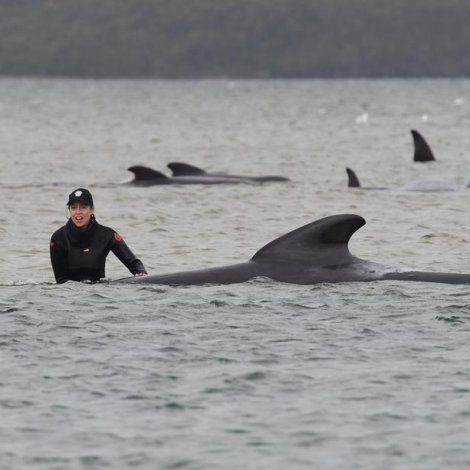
<point x="235" y="38"/>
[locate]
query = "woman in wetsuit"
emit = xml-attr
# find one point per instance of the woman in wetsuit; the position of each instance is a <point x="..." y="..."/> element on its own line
<point x="79" y="248"/>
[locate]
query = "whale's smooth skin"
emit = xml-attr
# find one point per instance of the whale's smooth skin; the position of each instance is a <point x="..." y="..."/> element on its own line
<point x="145" y="176"/>
<point x="422" y="150"/>
<point x="421" y="186"/>
<point x="185" y="169"/>
<point x="315" y="253"/>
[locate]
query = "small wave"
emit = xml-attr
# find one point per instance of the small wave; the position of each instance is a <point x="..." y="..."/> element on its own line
<point x="451" y="319"/>
<point x="13" y="403"/>
<point x="26" y="282"/>
<point x="249" y="376"/>
<point x="9" y="310"/>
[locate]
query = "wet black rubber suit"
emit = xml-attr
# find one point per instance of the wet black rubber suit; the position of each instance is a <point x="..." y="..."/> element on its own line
<point x="78" y="255"/>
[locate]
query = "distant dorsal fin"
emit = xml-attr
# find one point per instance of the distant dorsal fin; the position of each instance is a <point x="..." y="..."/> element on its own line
<point x="422" y="151"/>
<point x="353" y="180"/>
<point x="325" y="240"/>
<point x="144" y="173"/>
<point x="184" y="169"/>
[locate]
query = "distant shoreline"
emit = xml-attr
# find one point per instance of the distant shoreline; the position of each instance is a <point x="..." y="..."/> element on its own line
<point x="235" y="39"/>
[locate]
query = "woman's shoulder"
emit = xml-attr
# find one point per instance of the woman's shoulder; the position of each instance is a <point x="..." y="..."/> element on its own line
<point x="107" y="231"/>
<point x="59" y="233"/>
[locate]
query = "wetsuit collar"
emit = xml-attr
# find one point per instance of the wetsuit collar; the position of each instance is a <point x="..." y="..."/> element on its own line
<point x="81" y="237"/>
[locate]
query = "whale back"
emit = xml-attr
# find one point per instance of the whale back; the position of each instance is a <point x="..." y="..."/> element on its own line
<point x="185" y="169"/>
<point x="143" y="174"/>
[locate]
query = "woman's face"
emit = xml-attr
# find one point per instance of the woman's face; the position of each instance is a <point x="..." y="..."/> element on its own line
<point x="80" y="214"/>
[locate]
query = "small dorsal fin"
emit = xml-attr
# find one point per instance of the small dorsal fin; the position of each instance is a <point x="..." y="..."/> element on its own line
<point x="325" y="240"/>
<point x="353" y="180"/>
<point x="184" y="169"/>
<point x="144" y="173"/>
<point x="422" y="151"/>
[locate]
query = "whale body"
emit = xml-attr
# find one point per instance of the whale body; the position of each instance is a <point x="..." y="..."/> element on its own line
<point x="421" y="186"/>
<point x="353" y="181"/>
<point x="315" y="253"/>
<point x="184" y="169"/>
<point x="145" y="176"/>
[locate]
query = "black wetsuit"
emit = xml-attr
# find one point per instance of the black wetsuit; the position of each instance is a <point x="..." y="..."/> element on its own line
<point x="81" y="255"/>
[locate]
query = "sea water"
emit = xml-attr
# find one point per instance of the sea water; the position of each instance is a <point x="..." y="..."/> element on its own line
<point x="255" y="375"/>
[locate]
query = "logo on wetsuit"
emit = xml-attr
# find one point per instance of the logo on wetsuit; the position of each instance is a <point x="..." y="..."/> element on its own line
<point x="117" y="237"/>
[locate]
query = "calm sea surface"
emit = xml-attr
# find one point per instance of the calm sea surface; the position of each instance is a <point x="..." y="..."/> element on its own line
<point x="260" y="375"/>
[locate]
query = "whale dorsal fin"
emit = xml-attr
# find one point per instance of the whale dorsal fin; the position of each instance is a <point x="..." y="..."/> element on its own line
<point x="353" y="180"/>
<point x="422" y="151"/>
<point x="144" y="173"/>
<point x="184" y="169"/>
<point x="324" y="241"/>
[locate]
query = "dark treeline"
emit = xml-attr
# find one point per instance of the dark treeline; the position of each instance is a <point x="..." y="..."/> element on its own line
<point x="235" y="38"/>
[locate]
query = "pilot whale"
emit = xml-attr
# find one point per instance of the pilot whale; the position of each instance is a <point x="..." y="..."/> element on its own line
<point x="185" y="169"/>
<point x="421" y="186"/>
<point x="315" y="253"/>
<point x="145" y="176"/>
<point x="422" y="150"/>
<point x="353" y="181"/>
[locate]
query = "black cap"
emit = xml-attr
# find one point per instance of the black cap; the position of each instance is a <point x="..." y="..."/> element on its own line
<point x="81" y="195"/>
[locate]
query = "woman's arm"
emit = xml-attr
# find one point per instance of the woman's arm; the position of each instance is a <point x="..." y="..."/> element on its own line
<point x="125" y="255"/>
<point x="58" y="260"/>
